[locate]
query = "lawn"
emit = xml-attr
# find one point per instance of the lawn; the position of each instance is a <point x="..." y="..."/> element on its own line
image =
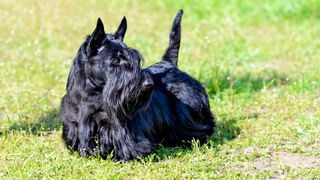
<point x="259" y="62"/>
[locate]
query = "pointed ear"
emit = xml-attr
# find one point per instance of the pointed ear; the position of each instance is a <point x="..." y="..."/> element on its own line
<point x="121" y="31"/>
<point x="96" y="39"/>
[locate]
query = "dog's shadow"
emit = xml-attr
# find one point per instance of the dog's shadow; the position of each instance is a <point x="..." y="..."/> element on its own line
<point x="46" y="124"/>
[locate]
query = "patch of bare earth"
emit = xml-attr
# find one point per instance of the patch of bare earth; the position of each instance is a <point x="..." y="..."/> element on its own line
<point x="276" y="159"/>
<point x="295" y="161"/>
<point x="298" y="161"/>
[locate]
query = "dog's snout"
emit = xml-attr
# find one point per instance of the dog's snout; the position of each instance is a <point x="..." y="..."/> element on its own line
<point x="148" y="83"/>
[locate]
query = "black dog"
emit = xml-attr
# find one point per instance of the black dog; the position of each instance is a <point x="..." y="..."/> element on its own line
<point x="144" y="107"/>
<point x="85" y="83"/>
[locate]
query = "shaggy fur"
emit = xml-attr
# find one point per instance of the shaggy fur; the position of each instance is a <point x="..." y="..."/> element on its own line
<point x="85" y="83"/>
<point x="172" y="112"/>
<point x="113" y="105"/>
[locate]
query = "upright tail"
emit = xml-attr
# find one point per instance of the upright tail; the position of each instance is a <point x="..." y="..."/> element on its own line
<point x="172" y="52"/>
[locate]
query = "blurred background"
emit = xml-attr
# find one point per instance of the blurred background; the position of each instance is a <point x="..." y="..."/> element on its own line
<point x="258" y="60"/>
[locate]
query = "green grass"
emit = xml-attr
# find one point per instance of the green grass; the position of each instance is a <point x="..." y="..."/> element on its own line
<point x="259" y="61"/>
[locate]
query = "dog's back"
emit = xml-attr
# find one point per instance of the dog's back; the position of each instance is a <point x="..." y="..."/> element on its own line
<point x="184" y="95"/>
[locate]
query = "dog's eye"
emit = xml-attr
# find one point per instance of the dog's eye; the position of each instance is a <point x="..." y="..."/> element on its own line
<point x="116" y="61"/>
<point x="121" y="60"/>
<point x="121" y="56"/>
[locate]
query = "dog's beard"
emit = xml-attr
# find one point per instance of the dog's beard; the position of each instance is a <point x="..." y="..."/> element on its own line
<point x="128" y="104"/>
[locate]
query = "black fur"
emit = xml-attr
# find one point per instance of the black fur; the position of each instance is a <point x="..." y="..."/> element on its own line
<point x="112" y="104"/>
<point x="85" y="83"/>
<point x="159" y="104"/>
<point x="172" y="53"/>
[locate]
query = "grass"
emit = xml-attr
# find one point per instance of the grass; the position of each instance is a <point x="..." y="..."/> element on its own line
<point x="259" y="62"/>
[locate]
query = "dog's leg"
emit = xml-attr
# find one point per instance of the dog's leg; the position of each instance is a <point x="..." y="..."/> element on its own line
<point x="87" y="129"/>
<point x="113" y="137"/>
<point x="132" y="144"/>
<point x="70" y="129"/>
<point x="127" y="143"/>
<point x="69" y="135"/>
<point x="105" y="140"/>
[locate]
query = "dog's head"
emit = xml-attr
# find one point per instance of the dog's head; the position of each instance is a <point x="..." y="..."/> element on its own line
<point x="113" y="65"/>
<point x="89" y="64"/>
<point x="103" y="50"/>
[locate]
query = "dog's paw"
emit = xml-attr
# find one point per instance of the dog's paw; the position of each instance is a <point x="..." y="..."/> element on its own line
<point x="89" y="150"/>
<point x="105" y="150"/>
<point x="121" y="158"/>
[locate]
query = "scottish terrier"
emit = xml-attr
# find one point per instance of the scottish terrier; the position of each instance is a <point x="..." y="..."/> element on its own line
<point x="130" y="110"/>
<point x="145" y="107"/>
<point x="85" y="83"/>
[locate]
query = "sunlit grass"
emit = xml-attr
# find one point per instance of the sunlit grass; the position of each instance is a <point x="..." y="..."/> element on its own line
<point x="259" y="62"/>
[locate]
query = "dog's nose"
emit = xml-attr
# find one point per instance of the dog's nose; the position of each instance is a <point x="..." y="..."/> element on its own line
<point x="148" y="84"/>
